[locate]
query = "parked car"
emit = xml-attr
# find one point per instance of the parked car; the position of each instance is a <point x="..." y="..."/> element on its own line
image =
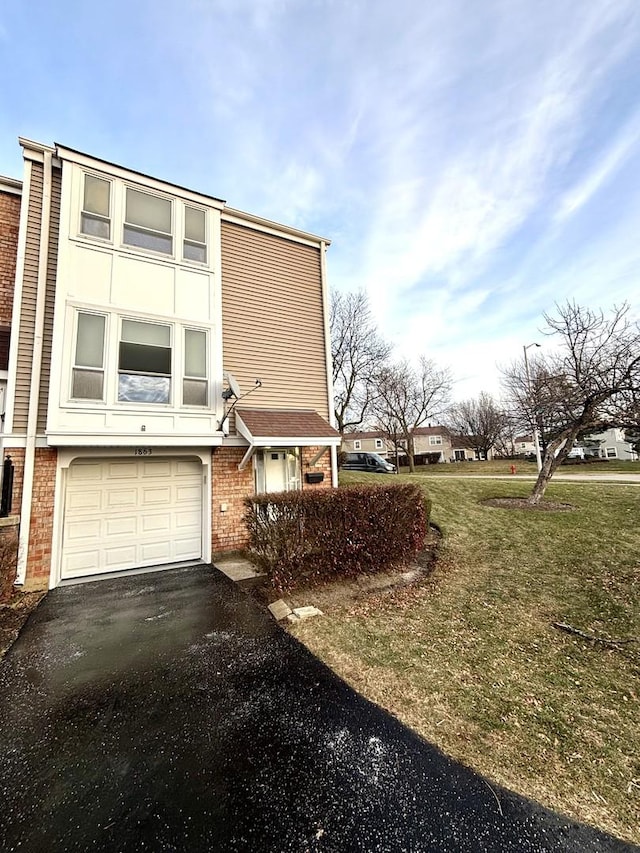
<point x="368" y="462"/>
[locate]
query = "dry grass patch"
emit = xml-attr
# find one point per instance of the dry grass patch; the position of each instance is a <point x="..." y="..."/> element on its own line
<point x="471" y="660"/>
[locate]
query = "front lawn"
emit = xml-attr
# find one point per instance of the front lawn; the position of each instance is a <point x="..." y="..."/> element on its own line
<point x="503" y="466"/>
<point x="471" y="660"/>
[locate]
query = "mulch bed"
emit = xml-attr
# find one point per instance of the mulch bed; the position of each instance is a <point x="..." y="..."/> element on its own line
<point x="14" y="614"/>
<point x="523" y="503"/>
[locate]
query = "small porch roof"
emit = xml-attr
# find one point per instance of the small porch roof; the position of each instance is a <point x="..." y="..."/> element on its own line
<point x="285" y="428"/>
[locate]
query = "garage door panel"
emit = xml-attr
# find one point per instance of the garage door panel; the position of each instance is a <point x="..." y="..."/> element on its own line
<point x="187" y="549"/>
<point x="153" y="523"/>
<point x="121" y="526"/>
<point x="123" y="514"/>
<point x="122" y="470"/>
<point x="87" y="530"/>
<point x="122" y="557"/>
<point x="118" y="498"/>
<point x="156" y="468"/>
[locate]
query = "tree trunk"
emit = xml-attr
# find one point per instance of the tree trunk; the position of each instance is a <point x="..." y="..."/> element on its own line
<point x="410" y="447"/>
<point x="550" y="462"/>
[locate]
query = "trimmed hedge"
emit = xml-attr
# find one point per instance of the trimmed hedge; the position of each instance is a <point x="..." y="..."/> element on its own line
<point x="306" y="537"/>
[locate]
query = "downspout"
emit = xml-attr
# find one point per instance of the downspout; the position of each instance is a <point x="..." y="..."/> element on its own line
<point x="328" y="360"/>
<point x="36" y="369"/>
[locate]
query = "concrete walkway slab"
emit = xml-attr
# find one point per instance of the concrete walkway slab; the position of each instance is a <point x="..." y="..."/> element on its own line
<point x="168" y="712"/>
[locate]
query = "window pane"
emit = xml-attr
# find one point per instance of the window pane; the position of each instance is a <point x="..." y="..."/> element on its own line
<point x="96" y="195"/>
<point x="90" y="340"/>
<point x="143" y="389"/>
<point x="194" y="220"/>
<point x="87" y="384"/>
<point x="148" y="211"/>
<point x="194" y="392"/>
<point x="144" y="358"/>
<point x="195" y="252"/>
<point x="137" y="332"/>
<point x="94" y="226"/>
<point x="147" y="240"/>
<point x="195" y="356"/>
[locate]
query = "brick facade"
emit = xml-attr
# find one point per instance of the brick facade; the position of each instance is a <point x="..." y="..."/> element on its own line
<point x="229" y="486"/>
<point x="9" y="224"/>
<point x="41" y="532"/>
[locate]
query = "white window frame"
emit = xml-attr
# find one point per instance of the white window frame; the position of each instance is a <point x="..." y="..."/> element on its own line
<point x="144" y="249"/>
<point x="171" y="376"/>
<point x="83" y="234"/>
<point x="204" y="379"/>
<point x="613" y="454"/>
<point x="379" y="444"/>
<point x="357" y="444"/>
<point x="74" y="366"/>
<point x="435" y="440"/>
<point x="186" y="240"/>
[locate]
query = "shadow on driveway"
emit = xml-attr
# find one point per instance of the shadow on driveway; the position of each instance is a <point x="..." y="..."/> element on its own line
<point x="167" y="712"/>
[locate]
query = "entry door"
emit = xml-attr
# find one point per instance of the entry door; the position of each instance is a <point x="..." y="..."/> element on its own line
<point x="281" y="470"/>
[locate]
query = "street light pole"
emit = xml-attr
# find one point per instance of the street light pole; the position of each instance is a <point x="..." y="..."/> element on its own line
<point x="535" y="424"/>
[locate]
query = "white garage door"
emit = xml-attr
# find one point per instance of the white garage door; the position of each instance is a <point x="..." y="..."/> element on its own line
<point x="129" y="513"/>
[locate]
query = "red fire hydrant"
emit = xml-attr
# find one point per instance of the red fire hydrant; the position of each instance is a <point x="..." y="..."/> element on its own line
<point x="513" y="469"/>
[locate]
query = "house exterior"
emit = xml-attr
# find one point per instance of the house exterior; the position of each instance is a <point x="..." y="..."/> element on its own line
<point x="431" y="444"/>
<point x="610" y="444"/>
<point x="524" y="445"/>
<point x="142" y="313"/>
<point x="372" y="441"/>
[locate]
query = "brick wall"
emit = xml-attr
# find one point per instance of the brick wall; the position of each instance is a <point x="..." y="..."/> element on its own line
<point x="229" y="486"/>
<point x="9" y="224"/>
<point x="323" y="464"/>
<point x="39" y="565"/>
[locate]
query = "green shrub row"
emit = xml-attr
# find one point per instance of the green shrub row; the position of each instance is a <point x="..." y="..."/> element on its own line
<point x="307" y="537"/>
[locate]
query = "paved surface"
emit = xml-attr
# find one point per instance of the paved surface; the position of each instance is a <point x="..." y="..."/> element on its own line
<point x="167" y="712"/>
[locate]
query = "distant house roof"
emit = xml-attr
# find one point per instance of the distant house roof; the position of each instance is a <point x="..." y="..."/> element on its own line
<point x="523" y="439"/>
<point x="431" y="430"/>
<point x="376" y="433"/>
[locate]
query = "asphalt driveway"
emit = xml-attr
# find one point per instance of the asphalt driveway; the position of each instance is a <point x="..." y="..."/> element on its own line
<point x="168" y="712"/>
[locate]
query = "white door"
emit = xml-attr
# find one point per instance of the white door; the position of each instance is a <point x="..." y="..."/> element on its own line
<point x="129" y="513"/>
<point x="281" y="470"/>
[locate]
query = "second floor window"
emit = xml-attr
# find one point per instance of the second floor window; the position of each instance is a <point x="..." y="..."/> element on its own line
<point x="144" y="363"/>
<point x="435" y="439"/>
<point x="148" y="222"/>
<point x="88" y="363"/>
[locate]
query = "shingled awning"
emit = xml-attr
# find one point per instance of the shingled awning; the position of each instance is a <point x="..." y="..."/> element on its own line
<point x="284" y="428"/>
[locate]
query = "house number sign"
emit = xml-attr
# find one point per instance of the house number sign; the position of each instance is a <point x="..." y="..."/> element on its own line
<point x="142" y="451"/>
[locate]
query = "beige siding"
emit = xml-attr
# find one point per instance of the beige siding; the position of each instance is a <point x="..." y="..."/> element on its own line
<point x="54" y="229"/>
<point x="272" y="319"/>
<point x="28" y="304"/>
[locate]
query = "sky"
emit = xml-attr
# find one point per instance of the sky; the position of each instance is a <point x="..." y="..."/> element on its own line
<point x="474" y="162"/>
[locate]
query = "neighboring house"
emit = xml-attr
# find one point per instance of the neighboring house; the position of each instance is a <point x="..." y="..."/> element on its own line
<point x="134" y="299"/>
<point x="373" y="441"/>
<point x="610" y="444"/>
<point x="524" y="445"/>
<point x="431" y="444"/>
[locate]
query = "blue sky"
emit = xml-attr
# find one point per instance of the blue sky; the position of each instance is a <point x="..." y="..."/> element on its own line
<point x="472" y="162"/>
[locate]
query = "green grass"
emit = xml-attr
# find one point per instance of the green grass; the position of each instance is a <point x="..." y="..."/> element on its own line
<point x="503" y="466"/>
<point x="471" y="660"/>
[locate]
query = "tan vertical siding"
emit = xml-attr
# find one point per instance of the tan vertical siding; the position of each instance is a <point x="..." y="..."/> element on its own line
<point x="52" y="265"/>
<point x="28" y="304"/>
<point x="272" y="319"/>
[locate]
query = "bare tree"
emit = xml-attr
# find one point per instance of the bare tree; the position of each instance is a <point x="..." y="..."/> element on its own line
<point x="407" y="397"/>
<point x="591" y="382"/>
<point x="482" y="423"/>
<point x="358" y="352"/>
